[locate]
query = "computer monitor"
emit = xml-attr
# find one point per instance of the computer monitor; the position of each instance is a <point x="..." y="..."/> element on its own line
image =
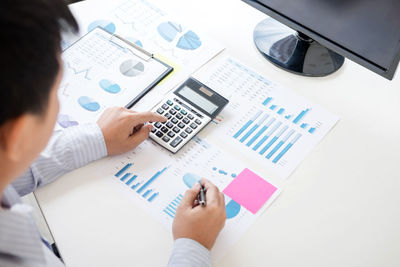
<point x="320" y="33"/>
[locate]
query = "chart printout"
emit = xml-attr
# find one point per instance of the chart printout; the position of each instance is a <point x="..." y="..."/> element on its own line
<point x="100" y="72"/>
<point x="156" y="180"/>
<point x="141" y="22"/>
<point x="264" y="121"/>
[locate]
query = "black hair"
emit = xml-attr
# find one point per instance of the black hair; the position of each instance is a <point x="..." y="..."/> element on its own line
<point x="30" y="32"/>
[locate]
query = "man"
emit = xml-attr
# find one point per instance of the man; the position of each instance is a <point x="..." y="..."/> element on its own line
<point x="31" y="71"/>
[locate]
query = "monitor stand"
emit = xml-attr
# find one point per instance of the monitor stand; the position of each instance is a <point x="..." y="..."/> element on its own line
<point x="293" y="51"/>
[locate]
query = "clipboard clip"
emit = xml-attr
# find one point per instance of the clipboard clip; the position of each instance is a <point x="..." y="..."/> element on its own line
<point x="145" y="55"/>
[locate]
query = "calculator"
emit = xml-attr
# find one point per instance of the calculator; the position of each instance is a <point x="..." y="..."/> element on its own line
<point x="188" y="110"/>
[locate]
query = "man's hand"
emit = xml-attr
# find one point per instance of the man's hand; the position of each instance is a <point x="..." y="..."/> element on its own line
<point x="201" y="224"/>
<point x="124" y="129"/>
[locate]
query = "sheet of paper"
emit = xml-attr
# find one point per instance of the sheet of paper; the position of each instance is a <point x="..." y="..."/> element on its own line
<point x="263" y="121"/>
<point x="250" y="190"/>
<point x="100" y="72"/>
<point x="156" y="180"/>
<point x="146" y="25"/>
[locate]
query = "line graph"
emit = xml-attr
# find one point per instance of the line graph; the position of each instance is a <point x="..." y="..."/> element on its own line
<point x="76" y="72"/>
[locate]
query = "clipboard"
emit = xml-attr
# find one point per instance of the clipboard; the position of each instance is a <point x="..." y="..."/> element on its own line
<point x="149" y="56"/>
<point x="100" y="67"/>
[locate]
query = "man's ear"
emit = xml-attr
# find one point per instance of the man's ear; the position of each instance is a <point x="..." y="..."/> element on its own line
<point x="15" y="137"/>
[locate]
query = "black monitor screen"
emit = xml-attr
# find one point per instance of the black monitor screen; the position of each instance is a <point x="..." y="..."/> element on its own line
<point x="367" y="28"/>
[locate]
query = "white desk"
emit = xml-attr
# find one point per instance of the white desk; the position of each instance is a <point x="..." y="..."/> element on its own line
<point x="340" y="207"/>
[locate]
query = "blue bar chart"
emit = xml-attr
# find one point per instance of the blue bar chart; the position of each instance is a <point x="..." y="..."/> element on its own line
<point x="129" y="182"/>
<point x="278" y="146"/>
<point x="241" y="130"/>
<point x="123" y="170"/>
<point x="300" y="116"/>
<point x="170" y="210"/>
<point x="295" y="119"/>
<point x="266" y="101"/>
<point x="151" y="180"/>
<point x="268" y="136"/>
<point x="141" y="187"/>
<point x="286" y="149"/>
<point x="255" y="127"/>
<point x="260" y="132"/>
<point x="265" y="137"/>
<point x="273" y="140"/>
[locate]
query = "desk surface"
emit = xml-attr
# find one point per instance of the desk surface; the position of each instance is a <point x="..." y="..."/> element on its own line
<point x="339" y="208"/>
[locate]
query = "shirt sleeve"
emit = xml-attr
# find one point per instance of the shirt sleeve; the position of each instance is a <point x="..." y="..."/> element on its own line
<point x="189" y="253"/>
<point x="67" y="150"/>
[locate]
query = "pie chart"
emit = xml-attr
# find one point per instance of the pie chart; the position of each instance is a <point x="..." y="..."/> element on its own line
<point x="109" y="86"/>
<point x="66" y="121"/>
<point x="189" y="41"/>
<point x="131" y="68"/>
<point x="169" y="30"/>
<point x="105" y="24"/>
<point x="88" y="103"/>
<point x="232" y="208"/>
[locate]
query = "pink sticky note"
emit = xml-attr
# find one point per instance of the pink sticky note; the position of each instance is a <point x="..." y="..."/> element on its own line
<point x="250" y="190"/>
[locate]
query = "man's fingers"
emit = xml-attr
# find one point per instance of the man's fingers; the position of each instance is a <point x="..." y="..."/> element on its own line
<point x="190" y="196"/>
<point x="212" y="192"/>
<point x="144" y="117"/>
<point x="137" y="128"/>
<point x="141" y="135"/>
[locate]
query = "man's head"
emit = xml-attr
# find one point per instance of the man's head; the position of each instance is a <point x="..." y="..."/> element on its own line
<point x="30" y="72"/>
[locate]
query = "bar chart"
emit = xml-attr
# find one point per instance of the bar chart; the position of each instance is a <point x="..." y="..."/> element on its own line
<point x="170" y="210"/>
<point x="265" y="121"/>
<point x="267" y="135"/>
<point x="295" y="119"/>
<point x="141" y="187"/>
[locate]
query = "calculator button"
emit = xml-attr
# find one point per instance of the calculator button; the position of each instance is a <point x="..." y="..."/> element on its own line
<point x="169" y="102"/>
<point x="183" y="134"/>
<point x="186" y="120"/>
<point x="153" y="130"/>
<point x="172" y="111"/>
<point x="176" y="141"/>
<point x="160" y="111"/>
<point x="184" y="112"/>
<point x="157" y="124"/>
<point x="181" y="125"/>
<point x="159" y="134"/>
<point x="169" y="124"/>
<point x="190" y="116"/>
<point x="193" y="125"/>
<point x="177" y="107"/>
<point x="179" y="116"/>
<point x="176" y="129"/>
<point x="165" y="106"/>
<point x="166" y="139"/>
<point x="174" y="120"/>
<point x="167" y="115"/>
<point x="198" y="121"/>
<point x="164" y="129"/>
<point x="188" y="130"/>
<point x="171" y="134"/>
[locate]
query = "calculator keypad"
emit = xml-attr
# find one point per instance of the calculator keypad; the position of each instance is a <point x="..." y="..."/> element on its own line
<point x="180" y="126"/>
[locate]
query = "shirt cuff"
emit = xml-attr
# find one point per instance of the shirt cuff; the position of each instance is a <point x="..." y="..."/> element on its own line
<point x="89" y="143"/>
<point x="188" y="252"/>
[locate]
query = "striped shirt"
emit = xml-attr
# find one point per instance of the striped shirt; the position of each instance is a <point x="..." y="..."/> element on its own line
<point x="20" y="241"/>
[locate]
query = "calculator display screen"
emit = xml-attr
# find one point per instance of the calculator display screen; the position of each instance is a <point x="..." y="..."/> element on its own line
<point x="197" y="99"/>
